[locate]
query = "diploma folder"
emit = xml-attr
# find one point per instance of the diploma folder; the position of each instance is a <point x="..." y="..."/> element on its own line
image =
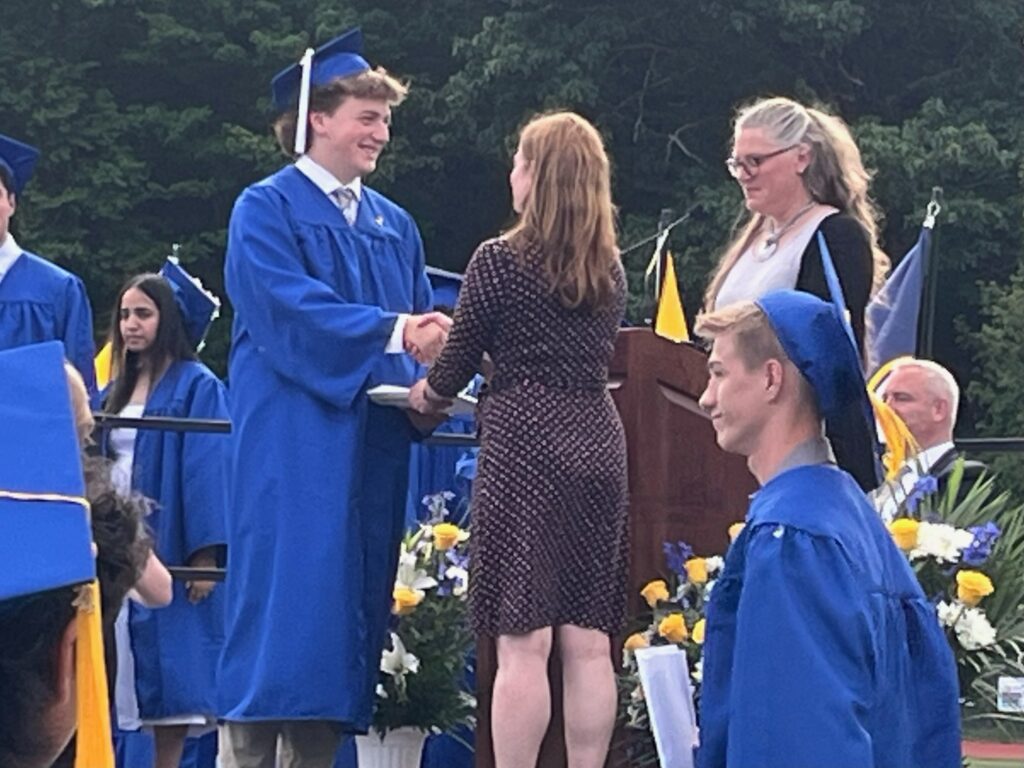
<point x="665" y="678"/>
<point x="397" y="396"/>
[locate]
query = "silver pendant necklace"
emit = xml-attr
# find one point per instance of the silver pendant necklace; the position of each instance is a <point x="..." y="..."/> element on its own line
<point x="770" y="245"/>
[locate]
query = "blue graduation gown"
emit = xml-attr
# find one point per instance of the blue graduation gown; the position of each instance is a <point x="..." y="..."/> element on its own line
<point x="39" y="301"/>
<point x="821" y="649"/>
<point x="176" y="648"/>
<point x="318" y="474"/>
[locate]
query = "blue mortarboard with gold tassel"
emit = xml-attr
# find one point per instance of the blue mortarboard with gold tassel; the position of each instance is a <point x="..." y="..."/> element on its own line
<point x="45" y="535"/>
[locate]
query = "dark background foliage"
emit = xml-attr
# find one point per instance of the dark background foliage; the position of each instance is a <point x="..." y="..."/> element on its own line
<point x="152" y="116"/>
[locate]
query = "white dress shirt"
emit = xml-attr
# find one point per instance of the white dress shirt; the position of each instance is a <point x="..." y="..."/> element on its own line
<point x="9" y="253"/>
<point x="329" y="185"/>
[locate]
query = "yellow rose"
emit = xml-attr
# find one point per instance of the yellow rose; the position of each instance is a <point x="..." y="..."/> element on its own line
<point x="406" y="600"/>
<point x="698" y="632"/>
<point x="446" y="536"/>
<point x="634" y="641"/>
<point x="971" y="586"/>
<point x="697" y="570"/>
<point x="673" y="628"/>
<point x="904" y="533"/>
<point x="654" y="591"/>
<point x="734" y="530"/>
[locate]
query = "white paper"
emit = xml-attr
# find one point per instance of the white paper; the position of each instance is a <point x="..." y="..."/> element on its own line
<point x="1010" y="696"/>
<point x="665" y="677"/>
<point x="397" y="396"/>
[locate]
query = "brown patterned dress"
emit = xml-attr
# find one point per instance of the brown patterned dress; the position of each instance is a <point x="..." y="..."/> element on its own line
<point x="549" y="535"/>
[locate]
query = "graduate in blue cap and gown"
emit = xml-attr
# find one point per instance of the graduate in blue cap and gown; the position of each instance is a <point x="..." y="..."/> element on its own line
<point x="167" y="657"/>
<point x="39" y="301"/>
<point x="327" y="281"/>
<point x="820" y="649"/>
<point x="51" y="647"/>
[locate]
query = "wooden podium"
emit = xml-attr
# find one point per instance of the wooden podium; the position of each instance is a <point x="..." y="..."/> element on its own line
<point x="682" y="486"/>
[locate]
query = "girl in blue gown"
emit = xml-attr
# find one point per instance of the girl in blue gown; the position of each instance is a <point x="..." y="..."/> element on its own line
<point x="167" y="656"/>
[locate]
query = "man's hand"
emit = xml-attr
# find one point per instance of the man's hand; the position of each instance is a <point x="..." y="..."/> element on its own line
<point x="424" y="335"/>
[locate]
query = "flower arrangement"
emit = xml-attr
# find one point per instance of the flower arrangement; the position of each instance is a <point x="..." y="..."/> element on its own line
<point x="423" y="670"/>
<point x="675" y="614"/>
<point x="966" y="546"/>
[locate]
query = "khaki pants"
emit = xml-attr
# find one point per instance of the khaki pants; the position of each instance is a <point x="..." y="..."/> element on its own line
<point x="279" y="744"/>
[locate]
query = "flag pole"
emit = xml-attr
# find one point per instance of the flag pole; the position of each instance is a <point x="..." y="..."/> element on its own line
<point x="926" y="335"/>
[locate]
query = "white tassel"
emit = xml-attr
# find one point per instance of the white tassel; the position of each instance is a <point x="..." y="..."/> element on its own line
<point x="303" y="117"/>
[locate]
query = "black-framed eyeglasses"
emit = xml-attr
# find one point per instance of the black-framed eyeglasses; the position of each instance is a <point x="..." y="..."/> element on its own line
<point x="752" y="163"/>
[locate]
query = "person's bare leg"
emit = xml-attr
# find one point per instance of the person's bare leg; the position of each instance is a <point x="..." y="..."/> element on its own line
<point x="589" y="695"/>
<point x="169" y="741"/>
<point x="521" y="707"/>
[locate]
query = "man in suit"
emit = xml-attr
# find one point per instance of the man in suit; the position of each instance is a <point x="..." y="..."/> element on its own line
<point x="925" y="396"/>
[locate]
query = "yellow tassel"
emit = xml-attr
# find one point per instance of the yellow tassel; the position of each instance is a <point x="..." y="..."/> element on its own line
<point x="899" y="442"/>
<point x="103" y="363"/>
<point x="95" y="747"/>
<point x="670" y="322"/>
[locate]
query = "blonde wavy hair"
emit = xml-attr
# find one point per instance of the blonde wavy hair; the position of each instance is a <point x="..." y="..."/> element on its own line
<point x="835" y="176"/>
<point x="568" y="214"/>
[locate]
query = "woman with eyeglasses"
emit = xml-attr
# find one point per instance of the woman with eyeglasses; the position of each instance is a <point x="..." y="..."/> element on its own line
<point x="801" y="174"/>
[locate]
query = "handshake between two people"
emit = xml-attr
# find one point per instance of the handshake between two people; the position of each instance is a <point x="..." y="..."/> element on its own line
<point x="424" y="338"/>
<point x="424" y="335"/>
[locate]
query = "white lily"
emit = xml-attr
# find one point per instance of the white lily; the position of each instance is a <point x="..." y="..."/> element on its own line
<point x="411" y="577"/>
<point x="398" y="662"/>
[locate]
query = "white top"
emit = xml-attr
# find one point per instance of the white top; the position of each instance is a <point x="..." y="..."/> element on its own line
<point x="753" y="276"/>
<point x="9" y="253"/>
<point x="122" y="443"/>
<point x="329" y="185"/>
<point x="890" y="495"/>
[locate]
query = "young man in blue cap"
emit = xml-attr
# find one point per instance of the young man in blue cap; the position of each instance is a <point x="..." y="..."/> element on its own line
<point x="821" y="649"/>
<point x="328" y="285"/>
<point x="39" y="301"/>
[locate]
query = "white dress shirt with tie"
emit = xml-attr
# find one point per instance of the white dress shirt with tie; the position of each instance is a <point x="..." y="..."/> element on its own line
<point x="346" y="198"/>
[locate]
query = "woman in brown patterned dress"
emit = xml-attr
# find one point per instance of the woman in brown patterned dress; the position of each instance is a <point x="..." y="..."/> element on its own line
<point x="549" y="546"/>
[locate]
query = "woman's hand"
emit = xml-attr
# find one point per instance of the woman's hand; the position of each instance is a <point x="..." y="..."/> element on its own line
<point x="423" y="399"/>
<point x="200" y="590"/>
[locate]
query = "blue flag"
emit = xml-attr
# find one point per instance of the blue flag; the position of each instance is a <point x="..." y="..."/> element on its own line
<point x="892" y="315"/>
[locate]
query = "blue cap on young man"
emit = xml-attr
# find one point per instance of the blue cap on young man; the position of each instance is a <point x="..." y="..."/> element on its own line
<point x="19" y="160"/>
<point x="341" y="57"/>
<point x="815" y="337"/>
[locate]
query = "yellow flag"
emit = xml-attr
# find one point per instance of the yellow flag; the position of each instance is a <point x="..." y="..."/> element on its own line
<point x="103" y="362"/>
<point x="670" y="322"/>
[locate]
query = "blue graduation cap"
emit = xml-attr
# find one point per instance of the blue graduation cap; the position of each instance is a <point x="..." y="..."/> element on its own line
<point x="445" y="286"/>
<point x="19" y="159"/>
<point x="45" y="532"/>
<point x="45" y="539"/>
<point x="816" y="337"/>
<point x="199" y="308"/>
<point x="341" y="57"/>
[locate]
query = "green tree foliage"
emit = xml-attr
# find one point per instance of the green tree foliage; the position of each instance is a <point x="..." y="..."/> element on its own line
<point x="152" y="116"/>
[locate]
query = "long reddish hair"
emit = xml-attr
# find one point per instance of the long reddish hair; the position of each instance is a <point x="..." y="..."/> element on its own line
<point x="568" y="214"/>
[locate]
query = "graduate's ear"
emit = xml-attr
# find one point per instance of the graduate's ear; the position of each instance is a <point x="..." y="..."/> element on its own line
<point x="64" y="665"/>
<point x="774" y="371"/>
